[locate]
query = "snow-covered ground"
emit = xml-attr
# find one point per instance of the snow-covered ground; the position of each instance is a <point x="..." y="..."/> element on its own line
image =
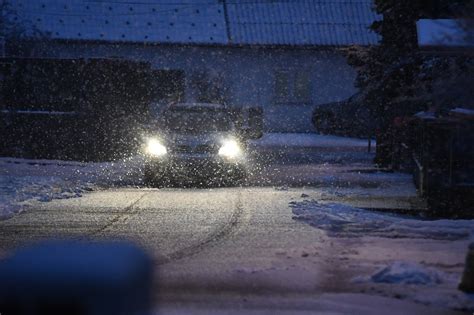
<point x="346" y="221"/>
<point x="24" y="182"/>
<point x="398" y="256"/>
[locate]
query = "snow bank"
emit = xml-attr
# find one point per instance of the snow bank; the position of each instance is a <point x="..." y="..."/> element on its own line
<point x="420" y="284"/>
<point x="345" y="221"/>
<point x="463" y="111"/>
<point x="17" y="192"/>
<point x="24" y="182"/>
<point x="405" y="258"/>
<point x="401" y="272"/>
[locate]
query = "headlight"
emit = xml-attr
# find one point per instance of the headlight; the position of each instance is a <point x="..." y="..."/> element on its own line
<point x="155" y="148"/>
<point x="230" y="149"/>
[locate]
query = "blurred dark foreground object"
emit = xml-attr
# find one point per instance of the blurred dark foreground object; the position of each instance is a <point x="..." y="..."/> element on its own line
<point x="65" y="277"/>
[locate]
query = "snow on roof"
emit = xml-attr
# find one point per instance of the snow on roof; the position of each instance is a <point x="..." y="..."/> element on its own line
<point x="463" y="111"/>
<point x="302" y="22"/>
<point x="443" y="33"/>
<point x="254" y="22"/>
<point x="154" y="21"/>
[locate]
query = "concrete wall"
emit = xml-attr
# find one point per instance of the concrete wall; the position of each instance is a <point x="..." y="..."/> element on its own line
<point x="249" y="73"/>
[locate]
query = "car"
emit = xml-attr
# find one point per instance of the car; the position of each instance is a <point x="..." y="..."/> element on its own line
<point x="345" y="118"/>
<point x="199" y="142"/>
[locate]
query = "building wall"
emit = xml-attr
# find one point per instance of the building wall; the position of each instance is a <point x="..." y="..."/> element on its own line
<point x="249" y="75"/>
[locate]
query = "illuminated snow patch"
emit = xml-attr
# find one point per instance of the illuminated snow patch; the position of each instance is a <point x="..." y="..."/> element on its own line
<point x="345" y="221"/>
<point x="402" y="272"/>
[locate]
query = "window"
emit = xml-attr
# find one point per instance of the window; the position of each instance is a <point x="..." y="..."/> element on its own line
<point x="292" y="87"/>
<point x="282" y="92"/>
<point x="302" y="92"/>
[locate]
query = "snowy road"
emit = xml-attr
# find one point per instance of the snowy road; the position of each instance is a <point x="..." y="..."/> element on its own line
<point x="221" y="250"/>
<point x="229" y="244"/>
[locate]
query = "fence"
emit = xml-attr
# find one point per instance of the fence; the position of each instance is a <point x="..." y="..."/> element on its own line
<point x="66" y="136"/>
<point x="72" y="109"/>
<point x="440" y="154"/>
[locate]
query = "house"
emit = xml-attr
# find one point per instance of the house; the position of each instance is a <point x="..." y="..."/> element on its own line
<point x="282" y="55"/>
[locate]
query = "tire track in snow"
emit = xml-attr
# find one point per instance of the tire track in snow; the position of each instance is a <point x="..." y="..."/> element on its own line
<point x="122" y="217"/>
<point x="212" y="239"/>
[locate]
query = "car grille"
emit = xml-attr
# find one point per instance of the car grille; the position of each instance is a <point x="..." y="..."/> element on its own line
<point x="202" y="148"/>
<point x="183" y="149"/>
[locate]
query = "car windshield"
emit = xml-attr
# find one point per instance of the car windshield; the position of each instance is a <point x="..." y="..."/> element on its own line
<point x="236" y="157"/>
<point x="196" y="121"/>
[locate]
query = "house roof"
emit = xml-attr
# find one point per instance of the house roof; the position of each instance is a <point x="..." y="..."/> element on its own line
<point x="302" y="22"/>
<point x="444" y="33"/>
<point x="153" y="21"/>
<point x="223" y="22"/>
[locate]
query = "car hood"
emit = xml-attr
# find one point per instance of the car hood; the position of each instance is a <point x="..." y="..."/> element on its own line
<point x="199" y="139"/>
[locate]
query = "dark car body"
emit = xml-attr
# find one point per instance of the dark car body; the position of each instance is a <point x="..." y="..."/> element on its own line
<point x="194" y="135"/>
<point x="345" y="118"/>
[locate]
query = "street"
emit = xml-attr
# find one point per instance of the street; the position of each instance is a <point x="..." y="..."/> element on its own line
<point x="214" y="247"/>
